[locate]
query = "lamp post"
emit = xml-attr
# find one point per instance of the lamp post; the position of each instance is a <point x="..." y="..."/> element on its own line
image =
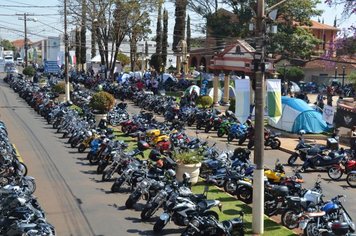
<point x="201" y="67"/>
<point x="335" y="72"/>
<point x="66" y="53"/>
<point x="343" y="76"/>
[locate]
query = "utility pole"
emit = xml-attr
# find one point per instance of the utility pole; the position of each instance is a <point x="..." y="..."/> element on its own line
<point x="25" y="19"/>
<point x="66" y="53"/>
<point x="258" y="174"/>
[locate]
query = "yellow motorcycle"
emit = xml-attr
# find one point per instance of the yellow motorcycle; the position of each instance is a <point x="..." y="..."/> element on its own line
<point x="86" y="142"/>
<point x="277" y="174"/>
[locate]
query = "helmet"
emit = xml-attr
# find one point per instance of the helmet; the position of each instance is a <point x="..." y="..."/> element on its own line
<point x="186" y="176"/>
<point x="171" y="173"/>
<point x="301" y="132"/>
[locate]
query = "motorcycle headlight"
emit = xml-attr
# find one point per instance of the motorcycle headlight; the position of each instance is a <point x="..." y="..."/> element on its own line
<point x="195" y="223"/>
<point x="144" y="184"/>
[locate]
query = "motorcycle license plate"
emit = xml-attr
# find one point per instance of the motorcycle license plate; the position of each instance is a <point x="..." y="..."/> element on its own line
<point x="164" y="216"/>
<point x="303" y="224"/>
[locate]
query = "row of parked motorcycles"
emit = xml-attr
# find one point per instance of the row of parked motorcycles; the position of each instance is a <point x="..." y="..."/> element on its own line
<point x="155" y="180"/>
<point x="21" y="213"/>
<point x="336" y="162"/>
<point x="152" y="180"/>
<point x="207" y="119"/>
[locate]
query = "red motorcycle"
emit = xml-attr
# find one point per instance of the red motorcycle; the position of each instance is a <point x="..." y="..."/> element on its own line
<point x="346" y="166"/>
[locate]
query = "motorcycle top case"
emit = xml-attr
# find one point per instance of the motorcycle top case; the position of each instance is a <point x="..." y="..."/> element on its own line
<point x="339" y="228"/>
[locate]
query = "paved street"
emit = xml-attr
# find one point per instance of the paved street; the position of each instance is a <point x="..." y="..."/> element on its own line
<point x="76" y="202"/>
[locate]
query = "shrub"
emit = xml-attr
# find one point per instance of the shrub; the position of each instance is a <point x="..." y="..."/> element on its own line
<point x="29" y="71"/>
<point x="232" y="105"/>
<point x="76" y="108"/>
<point x="59" y="88"/>
<point x="190" y="157"/>
<point x="205" y="101"/>
<point x="102" y="102"/>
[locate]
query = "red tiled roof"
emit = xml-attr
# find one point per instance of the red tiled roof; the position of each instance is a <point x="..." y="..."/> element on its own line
<point x="19" y="43"/>
<point x="318" y="63"/>
<point x="317" y="25"/>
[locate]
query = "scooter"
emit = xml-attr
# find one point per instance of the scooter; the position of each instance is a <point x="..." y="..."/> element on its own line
<point x="323" y="162"/>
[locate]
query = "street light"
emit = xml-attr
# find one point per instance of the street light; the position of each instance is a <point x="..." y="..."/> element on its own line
<point x="343" y="76"/>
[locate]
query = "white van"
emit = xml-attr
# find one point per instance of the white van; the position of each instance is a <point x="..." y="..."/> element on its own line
<point x="19" y="61"/>
<point x="8" y="58"/>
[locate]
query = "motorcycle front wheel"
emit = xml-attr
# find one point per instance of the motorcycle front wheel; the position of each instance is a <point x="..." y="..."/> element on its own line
<point x="244" y="194"/>
<point x="230" y="186"/>
<point x="335" y="172"/>
<point x="351" y="180"/>
<point x="159" y="225"/>
<point x="116" y="186"/>
<point x="230" y="137"/>
<point x="292" y="159"/>
<point x="220" y="133"/>
<point x="81" y="148"/>
<point x="148" y="211"/>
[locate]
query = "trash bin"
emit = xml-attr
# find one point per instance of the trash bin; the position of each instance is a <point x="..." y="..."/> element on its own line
<point x="332" y="144"/>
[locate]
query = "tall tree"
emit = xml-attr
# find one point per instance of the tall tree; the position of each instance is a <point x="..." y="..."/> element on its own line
<point x="77" y="47"/>
<point x="165" y="37"/>
<point x="159" y="33"/>
<point x="189" y="34"/>
<point x="83" y="40"/>
<point x="7" y="45"/>
<point x="179" y="27"/>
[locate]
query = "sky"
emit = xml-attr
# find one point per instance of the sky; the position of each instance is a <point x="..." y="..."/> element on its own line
<point x="49" y="21"/>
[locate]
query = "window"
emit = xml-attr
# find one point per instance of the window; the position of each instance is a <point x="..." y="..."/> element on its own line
<point x="238" y="49"/>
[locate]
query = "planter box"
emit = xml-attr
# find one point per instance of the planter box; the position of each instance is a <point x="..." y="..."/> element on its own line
<point x="98" y="118"/>
<point x="192" y="169"/>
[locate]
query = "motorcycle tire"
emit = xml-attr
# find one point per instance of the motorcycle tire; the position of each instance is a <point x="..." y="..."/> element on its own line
<point x="107" y="175"/>
<point x="244" y="194"/>
<point x="198" y="126"/>
<point x="94" y="159"/>
<point x="65" y="135"/>
<point x="250" y="144"/>
<point x="73" y="144"/>
<point x="159" y="225"/>
<point x="81" y="148"/>
<point x="335" y="173"/>
<point x="117" y="185"/>
<point x="230" y="186"/>
<point x="190" y="122"/>
<point x="101" y="167"/>
<point x="55" y="125"/>
<point x="311" y="229"/>
<point x="148" y="211"/>
<point x="112" y="122"/>
<point x="289" y="219"/>
<point x="207" y="129"/>
<point x="123" y="129"/>
<point x="292" y="159"/>
<point x="30" y="185"/>
<point x="22" y="169"/>
<point x="220" y="133"/>
<point x="230" y="137"/>
<point x="276" y="143"/>
<point x="242" y="140"/>
<point x="351" y="180"/>
<point x="132" y="200"/>
<point x="270" y="208"/>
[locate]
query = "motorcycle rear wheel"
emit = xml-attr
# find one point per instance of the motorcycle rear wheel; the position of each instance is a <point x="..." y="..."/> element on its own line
<point x="351" y="180"/>
<point x="276" y="143"/>
<point x="312" y="229"/>
<point x="289" y="219"/>
<point x="335" y="173"/>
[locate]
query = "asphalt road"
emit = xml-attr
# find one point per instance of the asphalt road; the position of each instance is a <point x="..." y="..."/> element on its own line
<point x="76" y="201"/>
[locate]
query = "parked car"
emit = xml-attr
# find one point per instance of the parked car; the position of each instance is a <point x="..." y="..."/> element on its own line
<point x="19" y="61"/>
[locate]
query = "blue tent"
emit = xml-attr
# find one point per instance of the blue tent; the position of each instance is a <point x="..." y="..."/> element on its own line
<point x="298" y="115"/>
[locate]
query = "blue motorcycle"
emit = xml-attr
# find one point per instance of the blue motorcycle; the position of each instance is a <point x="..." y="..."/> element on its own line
<point x="236" y="131"/>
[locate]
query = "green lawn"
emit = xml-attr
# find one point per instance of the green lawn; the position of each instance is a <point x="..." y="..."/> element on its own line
<point x="231" y="208"/>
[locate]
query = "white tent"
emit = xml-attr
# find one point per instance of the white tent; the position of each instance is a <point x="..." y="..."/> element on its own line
<point x="211" y="93"/>
<point x="191" y="88"/>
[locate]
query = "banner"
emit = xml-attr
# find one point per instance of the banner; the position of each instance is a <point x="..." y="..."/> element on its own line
<point x="328" y="114"/>
<point x="274" y="99"/>
<point x="345" y="118"/>
<point x="242" y="99"/>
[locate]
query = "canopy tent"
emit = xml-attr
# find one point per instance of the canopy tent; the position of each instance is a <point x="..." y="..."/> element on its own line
<point x="97" y="59"/>
<point x="168" y="77"/>
<point x="211" y="93"/>
<point x="190" y="89"/>
<point x="298" y="115"/>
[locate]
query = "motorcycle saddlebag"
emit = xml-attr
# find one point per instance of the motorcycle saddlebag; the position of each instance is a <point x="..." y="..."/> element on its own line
<point x="340" y="228"/>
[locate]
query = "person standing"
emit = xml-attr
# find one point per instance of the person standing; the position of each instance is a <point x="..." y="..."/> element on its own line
<point x="353" y="139"/>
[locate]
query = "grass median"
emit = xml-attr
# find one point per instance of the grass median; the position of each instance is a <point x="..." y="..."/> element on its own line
<point x="231" y="206"/>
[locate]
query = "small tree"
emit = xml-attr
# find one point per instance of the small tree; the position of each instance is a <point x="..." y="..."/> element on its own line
<point x="59" y="88"/>
<point x="205" y="101"/>
<point x="102" y="102"/>
<point x="294" y="74"/>
<point x="352" y="78"/>
<point x="125" y="60"/>
<point x="29" y="71"/>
